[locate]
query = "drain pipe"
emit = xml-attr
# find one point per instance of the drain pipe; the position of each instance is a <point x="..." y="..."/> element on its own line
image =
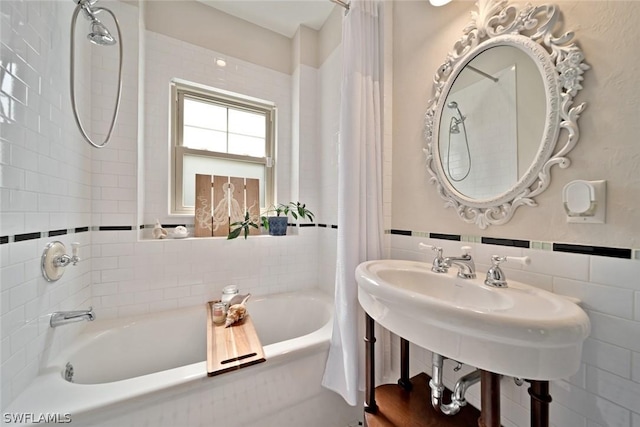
<point x="437" y="387"/>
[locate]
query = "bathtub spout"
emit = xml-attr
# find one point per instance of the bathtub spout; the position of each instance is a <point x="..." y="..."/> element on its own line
<point x="63" y="317"/>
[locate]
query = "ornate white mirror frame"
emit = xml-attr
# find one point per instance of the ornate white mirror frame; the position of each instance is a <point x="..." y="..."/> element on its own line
<point x="561" y="64"/>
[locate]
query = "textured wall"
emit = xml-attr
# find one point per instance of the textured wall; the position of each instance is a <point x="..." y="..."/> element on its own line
<point x="606" y="390"/>
<point x="608" y="148"/>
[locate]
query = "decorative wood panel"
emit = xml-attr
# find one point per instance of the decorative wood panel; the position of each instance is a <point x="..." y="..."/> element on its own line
<point x="252" y="204"/>
<point x="223" y="200"/>
<point x="221" y="205"/>
<point x="203" y="216"/>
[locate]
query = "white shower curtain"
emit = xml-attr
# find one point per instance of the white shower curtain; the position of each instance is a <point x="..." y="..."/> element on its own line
<point x="360" y="220"/>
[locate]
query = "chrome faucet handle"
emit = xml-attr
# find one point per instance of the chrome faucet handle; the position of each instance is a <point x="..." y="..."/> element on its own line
<point x="466" y="251"/>
<point x="74" y="253"/>
<point x="439" y="266"/>
<point x="495" y="275"/>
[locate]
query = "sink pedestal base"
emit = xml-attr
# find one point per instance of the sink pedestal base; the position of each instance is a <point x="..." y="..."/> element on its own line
<point x="370" y="405"/>
<point x="489" y="399"/>
<point x="540" y="399"/>
<point x="400" y="406"/>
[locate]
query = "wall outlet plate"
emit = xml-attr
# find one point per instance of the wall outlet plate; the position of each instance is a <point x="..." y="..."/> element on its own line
<point x="589" y="198"/>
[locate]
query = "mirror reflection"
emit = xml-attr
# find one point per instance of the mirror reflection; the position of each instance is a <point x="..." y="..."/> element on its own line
<point x="492" y="122"/>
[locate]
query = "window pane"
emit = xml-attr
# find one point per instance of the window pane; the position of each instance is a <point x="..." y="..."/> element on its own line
<point x="246" y="145"/>
<point x="211" y="166"/>
<point x="247" y="123"/>
<point x="204" y="139"/>
<point x="204" y="115"/>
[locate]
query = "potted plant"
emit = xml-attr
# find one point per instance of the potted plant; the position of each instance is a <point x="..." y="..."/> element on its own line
<point x="276" y="225"/>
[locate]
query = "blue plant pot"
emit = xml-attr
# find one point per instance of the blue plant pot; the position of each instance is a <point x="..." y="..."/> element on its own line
<point x="278" y="225"/>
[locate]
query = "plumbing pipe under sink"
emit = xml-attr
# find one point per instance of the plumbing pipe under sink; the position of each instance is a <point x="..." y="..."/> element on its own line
<point x="459" y="391"/>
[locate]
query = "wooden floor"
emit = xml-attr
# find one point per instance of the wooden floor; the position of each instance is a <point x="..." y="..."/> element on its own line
<point x="400" y="408"/>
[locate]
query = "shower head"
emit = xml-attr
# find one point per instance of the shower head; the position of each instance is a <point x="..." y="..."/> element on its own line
<point x="454" y="126"/>
<point x="99" y="34"/>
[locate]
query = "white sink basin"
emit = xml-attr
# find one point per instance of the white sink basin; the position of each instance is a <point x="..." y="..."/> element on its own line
<point x="519" y="331"/>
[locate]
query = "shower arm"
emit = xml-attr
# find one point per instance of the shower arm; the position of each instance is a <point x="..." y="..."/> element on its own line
<point x="72" y="77"/>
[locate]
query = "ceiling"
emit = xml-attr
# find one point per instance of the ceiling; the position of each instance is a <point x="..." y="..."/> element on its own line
<point x="281" y="16"/>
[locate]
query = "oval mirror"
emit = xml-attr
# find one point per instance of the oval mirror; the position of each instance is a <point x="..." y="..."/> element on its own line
<point x="491" y="122"/>
<point x="502" y="98"/>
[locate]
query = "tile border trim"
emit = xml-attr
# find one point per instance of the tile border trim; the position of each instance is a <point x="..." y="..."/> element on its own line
<point x="23" y="237"/>
<point x="623" y="253"/>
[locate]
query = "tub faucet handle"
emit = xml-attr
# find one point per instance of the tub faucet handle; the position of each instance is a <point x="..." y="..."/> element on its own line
<point x="74" y="252"/>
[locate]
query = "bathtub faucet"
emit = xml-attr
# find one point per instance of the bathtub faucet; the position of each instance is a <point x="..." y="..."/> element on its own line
<point x="63" y="317"/>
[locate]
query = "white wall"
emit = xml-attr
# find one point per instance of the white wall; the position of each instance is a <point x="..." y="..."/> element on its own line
<point x="52" y="180"/>
<point x="606" y="390"/>
<point x="607" y="149"/>
<point x="47" y="175"/>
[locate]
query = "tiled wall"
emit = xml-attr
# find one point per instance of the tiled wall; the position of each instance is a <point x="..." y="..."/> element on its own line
<point x="45" y="188"/>
<point x="329" y="99"/>
<point x="606" y="390"/>
<point x="276" y="394"/>
<point x="167" y="58"/>
<point x="53" y="181"/>
<point x="114" y="168"/>
<point x="132" y="276"/>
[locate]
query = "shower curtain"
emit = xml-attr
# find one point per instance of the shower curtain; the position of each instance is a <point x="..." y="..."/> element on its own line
<point x="360" y="218"/>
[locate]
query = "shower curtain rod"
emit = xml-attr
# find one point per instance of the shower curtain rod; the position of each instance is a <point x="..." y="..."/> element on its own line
<point x="482" y="73"/>
<point x="341" y="3"/>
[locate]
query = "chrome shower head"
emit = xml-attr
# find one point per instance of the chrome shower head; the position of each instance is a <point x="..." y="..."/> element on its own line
<point x="454" y="127"/>
<point x="99" y="34"/>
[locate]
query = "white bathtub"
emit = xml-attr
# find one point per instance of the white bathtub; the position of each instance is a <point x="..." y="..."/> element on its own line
<point x="118" y="360"/>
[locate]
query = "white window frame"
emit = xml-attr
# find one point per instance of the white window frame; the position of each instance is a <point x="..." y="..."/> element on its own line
<point x="181" y="89"/>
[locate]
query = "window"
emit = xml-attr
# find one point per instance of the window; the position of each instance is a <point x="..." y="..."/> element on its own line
<point x="219" y="133"/>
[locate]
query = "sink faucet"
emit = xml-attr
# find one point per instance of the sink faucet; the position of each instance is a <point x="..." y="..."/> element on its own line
<point x="495" y="275"/>
<point x="63" y="317"/>
<point x="438" y="261"/>
<point x="465" y="264"/>
<point x="467" y="268"/>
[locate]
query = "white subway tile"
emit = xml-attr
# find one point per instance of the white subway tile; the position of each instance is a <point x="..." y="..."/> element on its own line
<point x="614" y="330"/>
<point x="13" y="365"/>
<point x="588" y="405"/>
<point x="635" y="363"/>
<point x="570" y="266"/>
<point x="605" y="299"/>
<point x="11" y="276"/>
<point x="561" y="416"/>
<point x="21" y="294"/>
<point x="607" y="356"/>
<point x="616" y="272"/>
<point x="623" y="392"/>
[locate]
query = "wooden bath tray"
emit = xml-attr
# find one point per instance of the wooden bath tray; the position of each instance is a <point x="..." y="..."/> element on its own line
<point x="232" y="348"/>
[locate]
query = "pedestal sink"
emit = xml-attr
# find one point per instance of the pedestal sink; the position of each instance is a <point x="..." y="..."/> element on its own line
<point x="520" y="331"/>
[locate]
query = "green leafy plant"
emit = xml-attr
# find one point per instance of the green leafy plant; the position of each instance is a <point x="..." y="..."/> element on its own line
<point x="296" y="209"/>
<point x="241" y="226"/>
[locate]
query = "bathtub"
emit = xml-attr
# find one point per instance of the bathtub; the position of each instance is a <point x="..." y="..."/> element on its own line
<point x="159" y="356"/>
